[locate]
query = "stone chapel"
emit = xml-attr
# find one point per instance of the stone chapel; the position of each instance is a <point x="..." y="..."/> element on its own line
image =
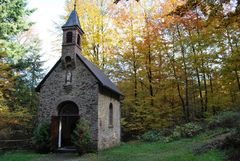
<point x="76" y="88"/>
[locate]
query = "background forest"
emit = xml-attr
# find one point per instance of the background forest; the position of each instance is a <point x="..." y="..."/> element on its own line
<point x="176" y="61"/>
<point x="20" y="70"/>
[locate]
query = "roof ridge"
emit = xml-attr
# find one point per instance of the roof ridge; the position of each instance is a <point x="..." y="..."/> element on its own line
<point x="97" y="73"/>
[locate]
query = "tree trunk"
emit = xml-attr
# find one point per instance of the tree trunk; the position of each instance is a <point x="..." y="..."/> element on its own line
<point x="134" y="64"/>
<point x="235" y="66"/>
<point x="149" y="63"/>
<point x="198" y="77"/>
<point x="205" y="88"/>
<point x="185" y="74"/>
<point x="203" y="70"/>
<point x="172" y="63"/>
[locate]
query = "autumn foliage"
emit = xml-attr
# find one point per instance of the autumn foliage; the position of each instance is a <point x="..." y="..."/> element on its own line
<point x="175" y="61"/>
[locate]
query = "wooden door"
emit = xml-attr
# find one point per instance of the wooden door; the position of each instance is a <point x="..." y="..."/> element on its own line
<point x="54" y="132"/>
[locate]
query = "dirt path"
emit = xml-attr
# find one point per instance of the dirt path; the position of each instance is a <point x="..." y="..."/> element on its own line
<point x="68" y="157"/>
<point x="60" y="157"/>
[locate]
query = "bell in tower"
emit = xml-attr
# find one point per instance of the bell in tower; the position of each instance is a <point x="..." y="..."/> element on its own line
<point x="72" y="40"/>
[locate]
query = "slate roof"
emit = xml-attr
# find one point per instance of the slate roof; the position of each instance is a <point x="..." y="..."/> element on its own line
<point x="73" y="20"/>
<point x="103" y="79"/>
<point x="99" y="75"/>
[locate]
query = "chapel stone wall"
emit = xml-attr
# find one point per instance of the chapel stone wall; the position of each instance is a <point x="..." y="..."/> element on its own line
<point x="83" y="91"/>
<point x="108" y="136"/>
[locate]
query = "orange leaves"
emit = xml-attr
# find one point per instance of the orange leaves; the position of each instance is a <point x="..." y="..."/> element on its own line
<point x="163" y="55"/>
<point x="14" y="118"/>
<point x="171" y="5"/>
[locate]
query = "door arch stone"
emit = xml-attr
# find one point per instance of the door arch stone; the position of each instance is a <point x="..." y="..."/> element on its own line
<point x="68" y="114"/>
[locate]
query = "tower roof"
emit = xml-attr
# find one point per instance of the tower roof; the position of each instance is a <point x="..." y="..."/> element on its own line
<point x="73" y="20"/>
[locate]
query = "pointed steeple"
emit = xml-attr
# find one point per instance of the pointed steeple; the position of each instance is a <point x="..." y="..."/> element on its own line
<point x="73" y="20"/>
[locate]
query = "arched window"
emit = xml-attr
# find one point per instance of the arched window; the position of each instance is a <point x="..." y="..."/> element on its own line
<point x="69" y="37"/>
<point x="68" y="59"/>
<point x="110" y="115"/>
<point x="68" y="62"/>
<point x="78" y="39"/>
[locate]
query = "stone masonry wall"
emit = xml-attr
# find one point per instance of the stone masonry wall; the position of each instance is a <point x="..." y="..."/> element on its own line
<point x="71" y="47"/>
<point x="108" y="136"/>
<point x="84" y="92"/>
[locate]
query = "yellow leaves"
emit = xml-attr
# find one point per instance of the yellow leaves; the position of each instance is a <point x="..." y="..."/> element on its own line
<point x="9" y="118"/>
<point x="171" y="5"/>
<point x="154" y="49"/>
<point x="100" y="38"/>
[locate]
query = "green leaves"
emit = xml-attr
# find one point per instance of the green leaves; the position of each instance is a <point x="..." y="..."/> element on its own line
<point x="41" y="137"/>
<point x="13" y="18"/>
<point x="81" y="136"/>
<point x="20" y="69"/>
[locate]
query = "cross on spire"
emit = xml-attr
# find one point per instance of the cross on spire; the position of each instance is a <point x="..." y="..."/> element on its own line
<point x="75" y="4"/>
<point x="73" y="20"/>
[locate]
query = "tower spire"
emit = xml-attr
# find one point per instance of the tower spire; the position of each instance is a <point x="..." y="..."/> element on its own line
<point x="73" y="19"/>
<point x="75" y="4"/>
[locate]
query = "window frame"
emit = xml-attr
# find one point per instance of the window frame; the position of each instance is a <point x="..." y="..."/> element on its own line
<point x="78" y="40"/>
<point x="69" y="37"/>
<point x="110" y="115"/>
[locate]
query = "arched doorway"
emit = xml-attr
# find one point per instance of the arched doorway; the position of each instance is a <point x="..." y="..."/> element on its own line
<point x="68" y="116"/>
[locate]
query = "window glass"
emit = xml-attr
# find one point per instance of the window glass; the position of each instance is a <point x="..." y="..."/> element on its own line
<point x="69" y="37"/>
<point x="78" y="39"/>
<point x="110" y="114"/>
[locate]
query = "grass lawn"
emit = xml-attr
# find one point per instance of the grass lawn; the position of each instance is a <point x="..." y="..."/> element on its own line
<point x="19" y="156"/>
<point x="181" y="150"/>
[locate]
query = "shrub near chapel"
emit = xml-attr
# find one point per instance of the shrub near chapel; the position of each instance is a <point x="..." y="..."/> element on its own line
<point x="41" y="137"/>
<point x="81" y="136"/>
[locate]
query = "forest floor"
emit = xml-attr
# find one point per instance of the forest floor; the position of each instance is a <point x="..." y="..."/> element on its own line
<point x="180" y="150"/>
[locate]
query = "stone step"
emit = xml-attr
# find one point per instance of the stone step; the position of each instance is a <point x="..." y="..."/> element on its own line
<point x="67" y="150"/>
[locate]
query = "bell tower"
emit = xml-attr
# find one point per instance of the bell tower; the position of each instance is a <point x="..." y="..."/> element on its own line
<point x="72" y="40"/>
